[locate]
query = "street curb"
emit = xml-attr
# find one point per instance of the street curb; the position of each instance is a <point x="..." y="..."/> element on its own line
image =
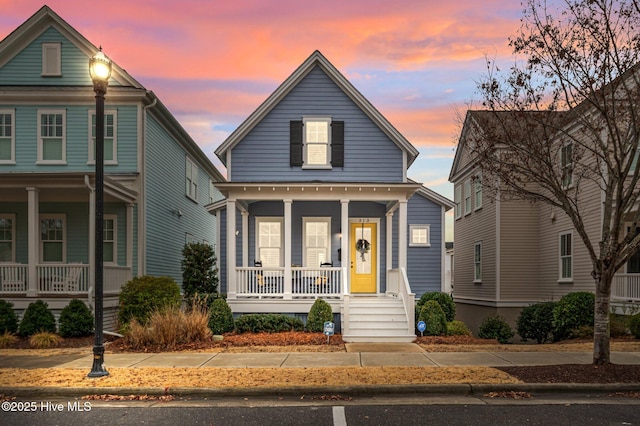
<point x="359" y="390"/>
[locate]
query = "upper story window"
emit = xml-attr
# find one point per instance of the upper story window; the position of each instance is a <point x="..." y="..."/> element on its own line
<point x="477" y="262"/>
<point x="52" y="147"/>
<point x="212" y="192"/>
<point x="110" y="137"/>
<point x="566" y="164"/>
<point x="566" y="256"/>
<point x="420" y="235"/>
<point x="7" y="238"/>
<point x="477" y="188"/>
<point x="192" y="180"/>
<point x="457" y="198"/>
<point x="317" y="143"/>
<point x="467" y="196"/>
<point x="7" y="137"/>
<point x="51" y="59"/>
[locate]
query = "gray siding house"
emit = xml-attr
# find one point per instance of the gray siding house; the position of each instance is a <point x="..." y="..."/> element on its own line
<point x="317" y="204"/>
<point x="157" y="180"/>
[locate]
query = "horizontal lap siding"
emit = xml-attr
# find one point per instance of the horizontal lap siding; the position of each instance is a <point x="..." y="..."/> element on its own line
<point x="424" y="264"/>
<point x="165" y="192"/>
<point x="369" y="155"/>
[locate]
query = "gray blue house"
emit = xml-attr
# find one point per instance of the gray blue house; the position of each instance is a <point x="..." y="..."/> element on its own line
<point x="318" y="205"/>
<point x="157" y="180"/>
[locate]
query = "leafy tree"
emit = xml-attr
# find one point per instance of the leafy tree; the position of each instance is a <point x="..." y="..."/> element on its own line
<point x="199" y="272"/>
<point x="564" y="120"/>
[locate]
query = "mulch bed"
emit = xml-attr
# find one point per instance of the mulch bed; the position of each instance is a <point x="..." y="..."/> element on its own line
<point x="576" y="373"/>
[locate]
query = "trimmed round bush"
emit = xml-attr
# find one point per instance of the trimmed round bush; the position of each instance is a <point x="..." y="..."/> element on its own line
<point x="444" y="300"/>
<point x="634" y="326"/>
<point x="76" y="320"/>
<point x="221" y="317"/>
<point x="573" y="311"/>
<point x="269" y="323"/>
<point x="8" y="318"/>
<point x="458" y="328"/>
<point x="141" y="296"/>
<point x="37" y="318"/>
<point x="536" y="322"/>
<point x="434" y="318"/>
<point x="319" y="313"/>
<point x="495" y="327"/>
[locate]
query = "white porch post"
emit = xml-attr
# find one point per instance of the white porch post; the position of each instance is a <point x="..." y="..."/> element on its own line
<point x="288" y="291"/>
<point x="33" y="229"/>
<point x="129" y="236"/>
<point x="389" y="247"/>
<point x="402" y="235"/>
<point x="245" y="238"/>
<point x="231" y="249"/>
<point x="344" y="244"/>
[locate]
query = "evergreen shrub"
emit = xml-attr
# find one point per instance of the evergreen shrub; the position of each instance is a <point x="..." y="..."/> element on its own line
<point x="141" y="296"/>
<point x="434" y="318"/>
<point x="319" y="313"/>
<point x="495" y="327"/>
<point x="76" y="320"/>
<point x="37" y="318"/>
<point x="8" y="318"/>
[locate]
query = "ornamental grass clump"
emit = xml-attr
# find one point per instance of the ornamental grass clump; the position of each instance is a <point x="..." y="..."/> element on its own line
<point x="44" y="340"/>
<point x="7" y="340"/>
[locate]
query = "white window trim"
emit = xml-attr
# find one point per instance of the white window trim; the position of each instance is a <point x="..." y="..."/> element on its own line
<point x="477" y="278"/>
<point x="12" y="113"/>
<point x="40" y="160"/>
<point x="477" y="191"/>
<point x="11" y="217"/>
<point x="115" y="238"/>
<point x="260" y="220"/>
<point x="413" y="228"/>
<point x="212" y="191"/>
<point x="569" y="165"/>
<point x="467" y="196"/>
<point x="55" y="49"/>
<point x="562" y="279"/>
<point x="458" y="200"/>
<point x="191" y="180"/>
<point x="327" y="220"/>
<point x="305" y="163"/>
<point x="91" y="159"/>
<point x="63" y="217"/>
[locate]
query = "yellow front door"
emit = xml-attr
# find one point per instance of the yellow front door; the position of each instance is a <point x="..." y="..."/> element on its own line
<point x="363" y="257"/>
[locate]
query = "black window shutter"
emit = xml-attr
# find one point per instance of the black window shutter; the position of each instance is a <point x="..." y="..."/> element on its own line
<point x="337" y="143"/>
<point x="295" y="137"/>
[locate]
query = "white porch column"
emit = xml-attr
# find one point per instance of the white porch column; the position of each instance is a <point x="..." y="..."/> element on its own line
<point x="389" y="254"/>
<point x="231" y="249"/>
<point x="129" y="216"/>
<point x="288" y="291"/>
<point x="245" y="238"/>
<point x="33" y="220"/>
<point x="344" y="243"/>
<point x="402" y="234"/>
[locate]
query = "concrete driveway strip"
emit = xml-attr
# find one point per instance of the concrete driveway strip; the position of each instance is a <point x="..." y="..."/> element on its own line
<point x="372" y="359"/>
<point x="242" y="360"/>
<point x="322" y="359"/>
<point x="452" y="359"/>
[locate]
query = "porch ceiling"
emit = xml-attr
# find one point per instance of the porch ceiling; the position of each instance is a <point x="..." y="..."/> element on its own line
<point x="320" y="191"/>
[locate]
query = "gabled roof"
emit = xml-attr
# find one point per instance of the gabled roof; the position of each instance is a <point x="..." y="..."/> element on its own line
<point x="38" y="23"/>
<point x="317" y="60"/>
<point x="436" y="198"/>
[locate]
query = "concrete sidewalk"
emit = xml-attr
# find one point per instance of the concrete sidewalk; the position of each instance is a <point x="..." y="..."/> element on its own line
<point x="357" y="355"/>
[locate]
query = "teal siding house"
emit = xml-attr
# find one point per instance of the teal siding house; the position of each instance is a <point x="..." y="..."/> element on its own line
<point x="157" y="180"/>
<point x="317" y="204"/>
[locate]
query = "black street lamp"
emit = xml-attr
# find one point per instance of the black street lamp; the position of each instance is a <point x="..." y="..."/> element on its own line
<point x="100" y="71"/>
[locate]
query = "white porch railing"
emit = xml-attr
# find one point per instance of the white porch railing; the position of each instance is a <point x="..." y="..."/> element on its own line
<point x="398" y="285"/>
<point x="13" y="278"/>
<point x="263" y="282"/>
<point x="63" y="278"/>
<point x="626" y="287"/>
<point x="115" y="277"/>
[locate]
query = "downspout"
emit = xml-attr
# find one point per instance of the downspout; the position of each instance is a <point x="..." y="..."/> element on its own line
<point x="92" y="253"/>
<point x="142" y="230"/>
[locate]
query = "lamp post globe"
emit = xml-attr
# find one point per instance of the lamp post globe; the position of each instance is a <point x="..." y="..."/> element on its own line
<point x="100" y="71"/>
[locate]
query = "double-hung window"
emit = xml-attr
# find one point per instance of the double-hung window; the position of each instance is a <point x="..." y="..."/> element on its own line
<point x="52" y="238"/>
<point x="457" y="200"/>
<point x="269" y="242"/>
<point x="52" y="147"/>
<point x="419" y="235"/>
<point x="110" y="137"/>
<point x="467" y="196"/>
<point x="7" y="238"/>
<point x="192" y="180"/>
<point x="317" y="142"/>
<point x="317" y="245"/>
<point x="109" y="239"/>
<point x="7" y="137"/>
<point x="566" y="164"/>
<point x="477" y="187"/>
<point x="477" y="262"/>
<point x="566" y="256"/>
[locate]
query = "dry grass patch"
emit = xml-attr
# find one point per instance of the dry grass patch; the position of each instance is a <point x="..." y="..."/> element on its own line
<point x="255" y="377"/>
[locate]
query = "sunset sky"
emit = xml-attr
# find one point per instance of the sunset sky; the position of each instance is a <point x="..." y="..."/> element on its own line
<point x="213" y="62"/>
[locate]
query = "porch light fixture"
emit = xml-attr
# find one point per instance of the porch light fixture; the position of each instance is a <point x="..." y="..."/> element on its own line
<point x="100" y="71"/>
